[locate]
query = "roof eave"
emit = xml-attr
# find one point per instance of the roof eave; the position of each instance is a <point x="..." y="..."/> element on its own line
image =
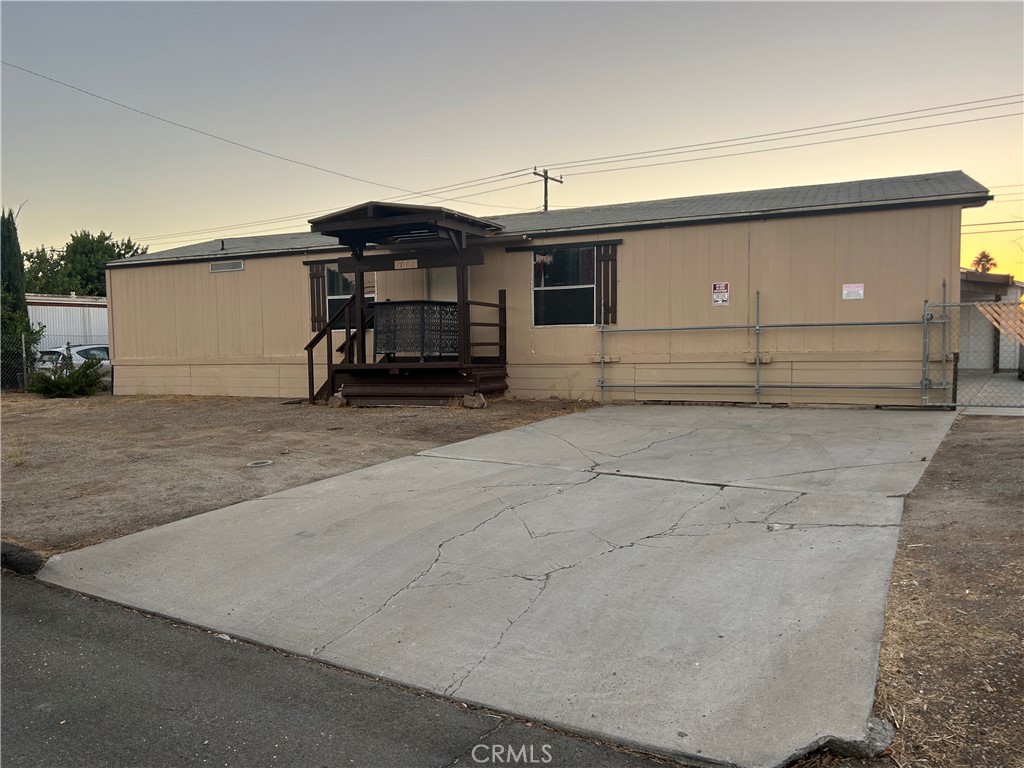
<point x="966" y="201"/>
<point x="223" y="256"/>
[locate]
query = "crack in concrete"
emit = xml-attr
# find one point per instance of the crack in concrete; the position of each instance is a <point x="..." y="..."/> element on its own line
<point x="317" y="651"/>
<point x="833" y="469"/>
<point x="580" y="451"/>
<point x="508" y="506"/>
<point x="452" y="689"/>
<point x="781" y="507"/>
<point x="798" y="526"/>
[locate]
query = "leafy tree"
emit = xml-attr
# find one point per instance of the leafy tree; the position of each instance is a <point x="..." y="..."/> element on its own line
<point x="16" y="332"/>
<point x="12" y="270"/>
<point x="45" y="272"/>
<point x="984" y="262"/>
<point x="85" y="256"/>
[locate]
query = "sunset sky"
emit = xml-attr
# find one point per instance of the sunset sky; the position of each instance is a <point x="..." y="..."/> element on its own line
<point x="419" y="96"/>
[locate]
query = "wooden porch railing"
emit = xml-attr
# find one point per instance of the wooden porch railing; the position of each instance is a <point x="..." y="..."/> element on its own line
<point x="345" y="312"/>
<point x="354" y="335"/>
<point x="501" y="325"/>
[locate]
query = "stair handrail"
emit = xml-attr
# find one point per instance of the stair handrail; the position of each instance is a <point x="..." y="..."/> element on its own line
<point x="320" y="336"/>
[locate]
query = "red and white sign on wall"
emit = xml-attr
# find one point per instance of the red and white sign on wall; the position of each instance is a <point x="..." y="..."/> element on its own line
<point x="719" y="294"/>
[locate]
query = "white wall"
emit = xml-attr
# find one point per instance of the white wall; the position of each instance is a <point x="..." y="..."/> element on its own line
<point x="70" y="324"/>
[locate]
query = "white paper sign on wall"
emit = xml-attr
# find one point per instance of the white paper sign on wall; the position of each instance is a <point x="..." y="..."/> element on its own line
<point x="719" y="294"/>
<point x="853" y="291"/>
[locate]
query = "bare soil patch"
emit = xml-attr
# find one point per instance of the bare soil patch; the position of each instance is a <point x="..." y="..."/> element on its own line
<point x="951" y="672"/>
<point x="76" y="472"/>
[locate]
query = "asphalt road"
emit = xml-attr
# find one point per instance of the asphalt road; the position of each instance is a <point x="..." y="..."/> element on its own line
<point x="87" y="683"/>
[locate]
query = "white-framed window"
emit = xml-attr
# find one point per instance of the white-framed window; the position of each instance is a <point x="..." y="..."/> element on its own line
<point x="564" y="285"/>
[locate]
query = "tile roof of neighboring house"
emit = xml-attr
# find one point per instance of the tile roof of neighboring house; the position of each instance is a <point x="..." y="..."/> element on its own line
<point x="899" y="190"/>
<point x="946" y="186"/>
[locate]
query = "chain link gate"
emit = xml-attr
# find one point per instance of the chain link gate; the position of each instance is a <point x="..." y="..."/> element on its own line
<point x="973" y="354"/>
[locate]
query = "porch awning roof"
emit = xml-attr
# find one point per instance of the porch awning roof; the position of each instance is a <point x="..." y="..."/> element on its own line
<point x="394" y="224"/>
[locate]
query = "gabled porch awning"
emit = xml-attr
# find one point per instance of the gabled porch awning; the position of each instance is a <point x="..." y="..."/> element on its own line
<point x="392" y="224"/>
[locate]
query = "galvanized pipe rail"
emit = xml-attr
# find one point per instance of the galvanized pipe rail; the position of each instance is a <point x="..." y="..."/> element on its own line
<point x="758" y="327"/>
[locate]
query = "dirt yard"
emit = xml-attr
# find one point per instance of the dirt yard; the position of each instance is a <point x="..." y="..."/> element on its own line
<point x="951" y="676"/>
<point x="76" y="472"/>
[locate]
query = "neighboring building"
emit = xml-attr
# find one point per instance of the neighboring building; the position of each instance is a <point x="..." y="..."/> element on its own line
<point x="617" y="302"/>
<point x="982" y="345"/>
<point x="68" y="319"/>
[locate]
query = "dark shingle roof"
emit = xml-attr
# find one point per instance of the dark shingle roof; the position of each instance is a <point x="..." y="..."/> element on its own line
<point x="233" y="247"/>
<point x="949" y="185"/>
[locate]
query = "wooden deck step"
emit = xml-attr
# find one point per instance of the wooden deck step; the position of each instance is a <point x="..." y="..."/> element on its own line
<point x="417" y="386"/>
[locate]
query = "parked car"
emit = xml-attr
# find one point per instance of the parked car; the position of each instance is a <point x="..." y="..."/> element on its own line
<point x="56" y="359"/>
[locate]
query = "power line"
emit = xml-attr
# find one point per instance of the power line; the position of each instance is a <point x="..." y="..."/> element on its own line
<point x="793" y="146"/>
<point x="992" y="231"/>
<point x="799" y="135"/>
<point x="222" y="138"/>
<point x="986" y="223"/>
<point x="630" y="155"/>
<point x="284" y="229"/>
<point x="293" y="217"/>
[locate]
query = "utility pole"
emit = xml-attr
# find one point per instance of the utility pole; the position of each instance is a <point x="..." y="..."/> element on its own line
<point x="544" y="175"/>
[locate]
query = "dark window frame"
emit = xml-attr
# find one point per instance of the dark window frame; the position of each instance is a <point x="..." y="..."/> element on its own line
<point x="603" y="289"/>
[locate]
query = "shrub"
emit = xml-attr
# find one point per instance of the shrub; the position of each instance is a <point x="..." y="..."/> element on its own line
<point x="86" y="379"/>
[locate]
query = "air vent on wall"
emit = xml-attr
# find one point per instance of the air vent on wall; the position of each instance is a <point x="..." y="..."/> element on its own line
<point x="227" y="266"/>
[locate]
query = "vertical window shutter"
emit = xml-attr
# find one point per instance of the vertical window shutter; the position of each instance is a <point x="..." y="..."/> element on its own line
<point x="607" y="283"/>
<point x="318" y="296"/>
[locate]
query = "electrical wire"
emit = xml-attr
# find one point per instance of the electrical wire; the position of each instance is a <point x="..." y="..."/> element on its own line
<point x="711" y="144"/>
<point x="794" y="146"/>
<point x="608" y="159"/>
<point x="992" y="231"/>
<point x="222" y="138"/>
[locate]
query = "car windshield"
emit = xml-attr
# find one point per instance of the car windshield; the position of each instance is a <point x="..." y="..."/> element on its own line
<point x="49" y="357"/>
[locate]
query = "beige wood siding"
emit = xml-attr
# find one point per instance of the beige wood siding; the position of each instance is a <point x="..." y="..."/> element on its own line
<point x="799" y="265"/>
<point x="181" y="329"/>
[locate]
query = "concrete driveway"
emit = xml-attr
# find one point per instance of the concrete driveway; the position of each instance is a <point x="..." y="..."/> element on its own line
<point x="706" y="583"/>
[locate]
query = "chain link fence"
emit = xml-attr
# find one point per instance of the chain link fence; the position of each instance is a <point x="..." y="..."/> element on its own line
<point x="973" y="354"/>
<point x="18" y="361"/>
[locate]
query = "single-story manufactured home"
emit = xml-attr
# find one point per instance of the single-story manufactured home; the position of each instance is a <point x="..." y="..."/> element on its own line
<point x="795" y="295"/>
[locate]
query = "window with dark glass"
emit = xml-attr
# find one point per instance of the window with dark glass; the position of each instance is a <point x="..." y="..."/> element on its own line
<point x="340" y="288"/>
<point x="563" y="286"/>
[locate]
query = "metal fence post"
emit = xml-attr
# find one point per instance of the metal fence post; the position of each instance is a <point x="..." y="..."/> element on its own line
<point x="946" y="317"/>
<point x="757" y="346"/>
<point x="925" y="316"/>
<point x="600" y="336"/>
<point x="24" y="362"/>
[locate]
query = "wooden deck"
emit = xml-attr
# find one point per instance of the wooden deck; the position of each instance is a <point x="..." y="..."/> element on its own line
<point x="415" y="383"/>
